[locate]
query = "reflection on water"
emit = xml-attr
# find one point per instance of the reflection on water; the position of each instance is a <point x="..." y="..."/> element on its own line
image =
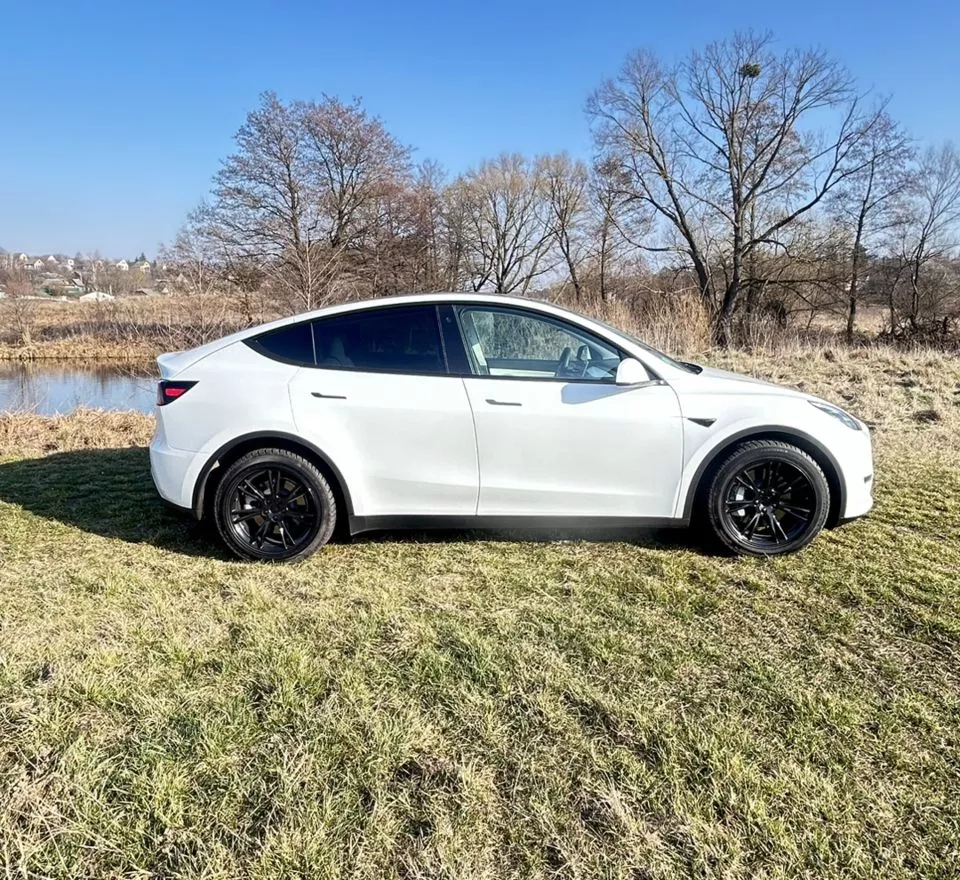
<point x="51" y="387"/>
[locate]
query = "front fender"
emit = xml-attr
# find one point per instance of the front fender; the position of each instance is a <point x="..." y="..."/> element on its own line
<point x="707" y="445"/>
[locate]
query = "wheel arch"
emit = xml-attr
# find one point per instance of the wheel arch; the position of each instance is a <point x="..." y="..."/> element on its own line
<point x="816" y="450"/>
<point x="215" y="466"/>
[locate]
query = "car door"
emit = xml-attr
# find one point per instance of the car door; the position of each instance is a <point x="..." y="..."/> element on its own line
<point x="555" y="434"/>
<point x="382" y="405"/>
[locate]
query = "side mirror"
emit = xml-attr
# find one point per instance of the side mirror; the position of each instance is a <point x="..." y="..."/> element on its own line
<point x="631" y="372"/>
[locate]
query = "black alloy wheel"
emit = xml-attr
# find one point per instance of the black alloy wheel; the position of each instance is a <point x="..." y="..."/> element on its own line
<point x="769" y="503"/>
<point x="274" y="505"/>
<point x="768" y="498"/>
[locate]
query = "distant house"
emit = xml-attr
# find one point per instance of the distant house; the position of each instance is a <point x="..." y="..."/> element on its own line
<point x="142" y="265"/>
<point x="69" y="263"/>
<point x="37" y="264"/>
<point x="123" y="265"/>
<point x="23" y="259"/>
<point x="52" y="261"/>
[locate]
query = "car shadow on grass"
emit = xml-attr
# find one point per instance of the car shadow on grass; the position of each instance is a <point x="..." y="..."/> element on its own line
<point x="109" y="492"/>
<point x="106" y="492"/>
<point x="661" y="539"/>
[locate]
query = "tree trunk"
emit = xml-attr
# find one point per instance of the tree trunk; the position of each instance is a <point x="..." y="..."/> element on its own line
<point x="574" y="277"/>
<point x="854" y="283"/>
<point x="603" y="265"/>
<point x="722" y="331"/>
<point x="852" y="311"/>
<point x="915" y="295"/>
<point x="723" y="322"/>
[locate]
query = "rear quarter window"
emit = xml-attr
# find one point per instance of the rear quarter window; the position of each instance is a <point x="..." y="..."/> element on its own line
<point x="289" y="345"/>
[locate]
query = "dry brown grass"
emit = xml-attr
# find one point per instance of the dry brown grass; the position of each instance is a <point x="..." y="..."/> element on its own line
<point x="676" y="324"/>
<point x="26" y="434"/>
<point x="910" y="399"/>
<point x="135" y="328"/>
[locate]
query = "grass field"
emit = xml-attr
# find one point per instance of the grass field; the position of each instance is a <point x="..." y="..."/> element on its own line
<point x="477" y="706"/>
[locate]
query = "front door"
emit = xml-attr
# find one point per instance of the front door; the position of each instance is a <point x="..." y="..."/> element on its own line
<point x="555" y="435"/>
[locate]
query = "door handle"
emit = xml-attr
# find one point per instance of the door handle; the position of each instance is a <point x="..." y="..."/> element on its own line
<point x="328" y="396"/>
<point x="493" y="402"/>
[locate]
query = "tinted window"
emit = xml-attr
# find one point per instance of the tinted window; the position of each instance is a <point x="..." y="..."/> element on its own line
<point x="503" y="342"/>
<point x="393" y="340"/>
<point x="292" y="345"/>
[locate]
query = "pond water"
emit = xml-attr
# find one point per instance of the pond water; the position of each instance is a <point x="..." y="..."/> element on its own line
<point x="55" y="387"/>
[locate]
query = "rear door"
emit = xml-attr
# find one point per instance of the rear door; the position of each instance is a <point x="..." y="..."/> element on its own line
<point x="555" y="434"/>
<point x="381" y="403"/>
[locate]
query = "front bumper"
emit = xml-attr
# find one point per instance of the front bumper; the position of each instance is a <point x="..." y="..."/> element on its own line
<point x="856" y="471"/>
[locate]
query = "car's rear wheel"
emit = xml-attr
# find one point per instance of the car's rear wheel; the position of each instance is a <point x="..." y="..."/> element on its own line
<point x="274" y="505"/>
<point x="767" y="498"/>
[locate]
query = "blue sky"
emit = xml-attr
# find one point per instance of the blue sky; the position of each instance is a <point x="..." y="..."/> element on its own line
<point x="114" y="116"/>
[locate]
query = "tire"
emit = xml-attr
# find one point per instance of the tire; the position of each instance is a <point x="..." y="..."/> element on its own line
<point x="767" y="498"/>
<point x="274" y="505"/>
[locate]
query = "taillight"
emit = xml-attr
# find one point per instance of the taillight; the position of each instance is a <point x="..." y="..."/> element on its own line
<point x="168" y="391"/>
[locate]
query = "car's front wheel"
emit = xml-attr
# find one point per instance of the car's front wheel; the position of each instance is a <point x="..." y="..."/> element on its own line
<point x="766" y="498"/>
<point x="274" y="505"/>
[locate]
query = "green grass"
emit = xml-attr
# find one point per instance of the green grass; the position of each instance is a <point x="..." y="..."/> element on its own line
<point x="476" y="706"/>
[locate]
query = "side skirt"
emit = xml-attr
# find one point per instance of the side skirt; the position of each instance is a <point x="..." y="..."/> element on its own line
<point x="359" y="524"/>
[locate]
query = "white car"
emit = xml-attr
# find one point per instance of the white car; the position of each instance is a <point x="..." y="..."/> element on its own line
<point x="462" y="410"/>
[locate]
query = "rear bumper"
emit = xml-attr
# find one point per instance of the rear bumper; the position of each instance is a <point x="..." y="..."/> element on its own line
<point x="176" y="508"/>
<point x="170" y="469"/>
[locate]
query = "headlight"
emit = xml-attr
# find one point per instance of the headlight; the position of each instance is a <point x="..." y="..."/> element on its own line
<point x="837" y="413"/>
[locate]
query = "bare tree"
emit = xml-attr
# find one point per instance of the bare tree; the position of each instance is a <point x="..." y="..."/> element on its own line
<point x="871" y="200"/>
<point x="566" y="182"/>
<point x="454" y="235"/>
<point x="507" y="232"/>
<point x="194" y="255"/>
<point x="617" y="226"/>
<point x="303" y="190"/>
<point x="723" y="151"/>
<point x="934" y="230"/>
<point x="262" y="209"/>
<point x="604" y="230"/>
<point x="427" y="255"/>
<point x="196" y="260"/>
<point x="19" y="305"/>
<point x="352" y="162"/>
